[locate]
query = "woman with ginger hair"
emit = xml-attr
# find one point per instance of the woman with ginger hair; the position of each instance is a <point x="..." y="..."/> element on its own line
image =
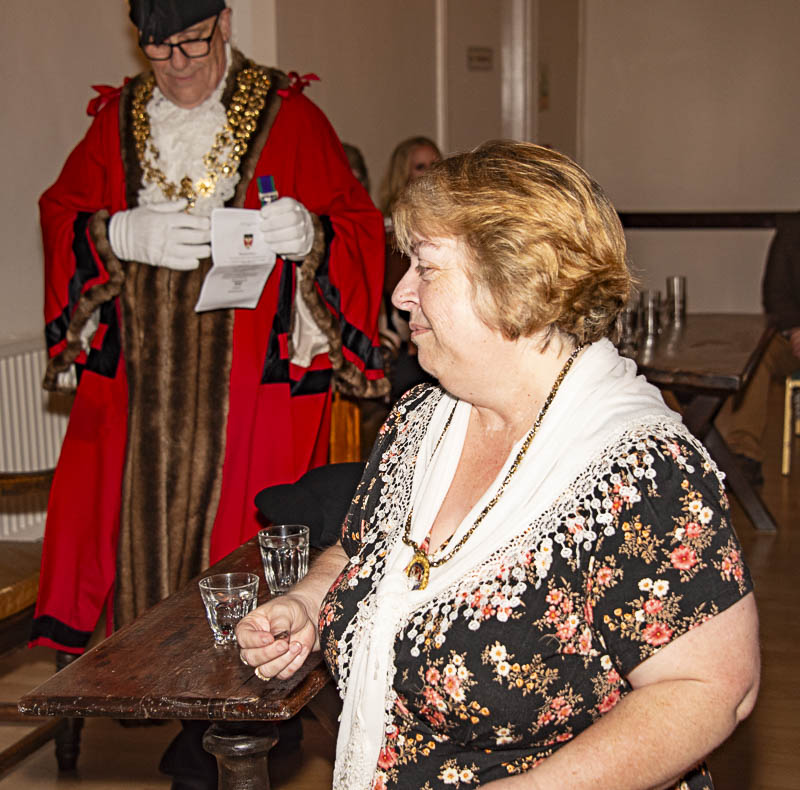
<point x="537" y="584"/>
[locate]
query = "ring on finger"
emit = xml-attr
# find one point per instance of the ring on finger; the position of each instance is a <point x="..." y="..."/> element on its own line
<point x="261" y="676"/>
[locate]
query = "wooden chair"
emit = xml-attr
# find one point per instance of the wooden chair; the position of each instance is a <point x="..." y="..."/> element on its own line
<point x="320" y="499"/>
<point x="345" y="436"/>
<point x="791" y="421"/>
<point x="19" y="586"/>
<point x="18" y="483"/>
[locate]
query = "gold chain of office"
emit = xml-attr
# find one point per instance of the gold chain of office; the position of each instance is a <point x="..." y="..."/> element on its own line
<point x="252" y="86"/>
<point x="420" y="566"/>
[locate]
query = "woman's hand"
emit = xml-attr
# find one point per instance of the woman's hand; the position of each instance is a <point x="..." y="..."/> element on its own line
<point x="277" y="637"/>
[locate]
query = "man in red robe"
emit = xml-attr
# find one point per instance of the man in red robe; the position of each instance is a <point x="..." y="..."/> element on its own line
<point x="181" y="417"/>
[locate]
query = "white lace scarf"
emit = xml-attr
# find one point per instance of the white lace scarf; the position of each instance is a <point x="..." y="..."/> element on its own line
<point x="182" y="138"/>
<point x="600" y="398"/>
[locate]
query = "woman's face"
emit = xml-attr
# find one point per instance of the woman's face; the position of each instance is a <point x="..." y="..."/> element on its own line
<point x="420" y="159"/>
<point x="453" y="343"/>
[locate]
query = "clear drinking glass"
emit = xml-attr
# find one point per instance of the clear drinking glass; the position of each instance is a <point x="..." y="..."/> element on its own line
<point x="228" y="597"/>
<point x="284" y="554"/>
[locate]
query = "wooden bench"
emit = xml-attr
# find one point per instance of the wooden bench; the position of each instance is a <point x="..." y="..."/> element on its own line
<point x="19" y="584"/>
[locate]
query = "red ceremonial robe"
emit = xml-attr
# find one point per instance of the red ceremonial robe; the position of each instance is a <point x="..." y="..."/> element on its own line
<point x="278" y="415"/>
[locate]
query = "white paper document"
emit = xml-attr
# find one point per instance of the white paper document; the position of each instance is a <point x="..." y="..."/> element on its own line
<point x="241" y="261"/>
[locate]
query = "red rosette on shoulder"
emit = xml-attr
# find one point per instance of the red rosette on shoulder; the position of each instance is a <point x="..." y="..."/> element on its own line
<point x="297" y="83"/>
<point x="106" y="94"/>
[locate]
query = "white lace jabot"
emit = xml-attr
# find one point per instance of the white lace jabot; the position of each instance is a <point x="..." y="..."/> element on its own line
<point x="182" y="138"/>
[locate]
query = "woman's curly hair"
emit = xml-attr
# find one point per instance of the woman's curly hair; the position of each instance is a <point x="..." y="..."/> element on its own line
<point x="546" y="250"/>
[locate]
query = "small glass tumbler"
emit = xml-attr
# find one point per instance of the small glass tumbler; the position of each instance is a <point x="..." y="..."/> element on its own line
<point x="228" y="597"/>
<point x="284" y="554"/>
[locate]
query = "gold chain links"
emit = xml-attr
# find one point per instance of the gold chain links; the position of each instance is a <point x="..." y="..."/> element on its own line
<point x="246" y="105"/>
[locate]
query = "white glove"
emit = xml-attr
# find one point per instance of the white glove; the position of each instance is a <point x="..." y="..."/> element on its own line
<point x="287" y="228"/>
<point x="161" y="234"/>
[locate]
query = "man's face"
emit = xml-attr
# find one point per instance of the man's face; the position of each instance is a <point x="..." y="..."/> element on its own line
<point x="188" y="82"/>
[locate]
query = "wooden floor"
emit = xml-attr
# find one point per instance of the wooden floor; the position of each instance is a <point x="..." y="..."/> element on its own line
<point x="763" y="754"/>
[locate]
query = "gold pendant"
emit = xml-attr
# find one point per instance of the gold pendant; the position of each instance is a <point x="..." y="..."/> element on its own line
<point x="420" y="569"/>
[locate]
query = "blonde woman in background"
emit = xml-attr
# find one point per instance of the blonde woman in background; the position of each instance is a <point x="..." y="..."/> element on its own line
<point x="409" y="160"/>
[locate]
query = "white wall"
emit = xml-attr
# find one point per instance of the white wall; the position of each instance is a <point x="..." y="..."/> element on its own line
<point x="254" y="29"/>
<point x="50" y="55"/>
<point x="474" y="111"/>
<point x="556" y="28"/>
<point x="376" y="61"/>
<point x="694" y="106"/>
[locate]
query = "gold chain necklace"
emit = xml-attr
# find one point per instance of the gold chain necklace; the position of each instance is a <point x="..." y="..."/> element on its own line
<point x="252" y="86"/>
<point x="421" y="564"/>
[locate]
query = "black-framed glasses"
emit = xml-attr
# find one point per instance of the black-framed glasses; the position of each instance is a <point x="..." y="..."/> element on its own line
<point x="190" y="48"/>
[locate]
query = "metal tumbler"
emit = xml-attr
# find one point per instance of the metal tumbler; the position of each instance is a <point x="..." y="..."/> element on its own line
<point x="676" y="299"/>
<point x="650" y="305"/>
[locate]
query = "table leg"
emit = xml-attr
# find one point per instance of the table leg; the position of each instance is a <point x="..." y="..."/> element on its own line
<point x="326" y="705"/>
<point x="68" y="736"/>
<point x="699" y="413"/>
<point x="241" y="749"/>
<point x="748" y="497"/>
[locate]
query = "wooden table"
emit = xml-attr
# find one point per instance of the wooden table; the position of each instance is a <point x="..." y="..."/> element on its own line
<point x="705" y="360"/>
<point x="165" y="665"/>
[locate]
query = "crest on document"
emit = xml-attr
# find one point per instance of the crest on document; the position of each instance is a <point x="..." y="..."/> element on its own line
<point x="248" y="240"/>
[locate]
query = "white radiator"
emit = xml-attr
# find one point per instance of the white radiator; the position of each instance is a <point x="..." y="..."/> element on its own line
<point x="32" y="426"/>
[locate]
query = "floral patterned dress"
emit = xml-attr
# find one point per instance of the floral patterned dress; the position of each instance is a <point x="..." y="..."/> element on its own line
<point x="493" y="680"/>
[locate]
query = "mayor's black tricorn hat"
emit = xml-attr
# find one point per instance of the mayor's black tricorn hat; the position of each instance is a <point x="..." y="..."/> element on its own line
<point x="159" y="19"/>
